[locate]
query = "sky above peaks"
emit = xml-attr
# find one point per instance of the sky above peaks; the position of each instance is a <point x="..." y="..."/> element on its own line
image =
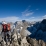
<point x="30" y="10"/>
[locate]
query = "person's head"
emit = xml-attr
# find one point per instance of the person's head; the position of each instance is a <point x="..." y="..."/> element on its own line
<point x="4" y="22"/>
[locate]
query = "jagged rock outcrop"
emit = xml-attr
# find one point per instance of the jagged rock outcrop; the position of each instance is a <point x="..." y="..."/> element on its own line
<point x="34" y="42"/>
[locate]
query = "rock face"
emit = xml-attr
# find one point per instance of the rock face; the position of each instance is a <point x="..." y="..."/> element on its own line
<point x="34" y="42"/>
<point x="38" y="30"/>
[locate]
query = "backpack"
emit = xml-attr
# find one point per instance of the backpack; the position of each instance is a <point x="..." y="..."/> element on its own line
<point x="6" y="27"/>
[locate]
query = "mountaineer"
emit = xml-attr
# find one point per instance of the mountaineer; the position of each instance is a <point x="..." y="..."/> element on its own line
<point x="6" y="31"/>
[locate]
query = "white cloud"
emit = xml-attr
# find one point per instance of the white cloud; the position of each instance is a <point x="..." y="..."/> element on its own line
<point x="44" y="17"/>
<point x="37" y="9"/>
<point x="35" y="19"/>
<point x="14" y="18"/>
<point x="32" y="17"/>
<point x="10" y="19"/>
<point x="27" y="12"/>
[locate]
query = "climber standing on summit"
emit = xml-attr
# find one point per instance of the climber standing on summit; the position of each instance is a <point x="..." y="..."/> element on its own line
<point x="6" y="31"/>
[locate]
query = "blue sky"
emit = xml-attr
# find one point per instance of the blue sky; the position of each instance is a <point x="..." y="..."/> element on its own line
<point x="30" y="10"/>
